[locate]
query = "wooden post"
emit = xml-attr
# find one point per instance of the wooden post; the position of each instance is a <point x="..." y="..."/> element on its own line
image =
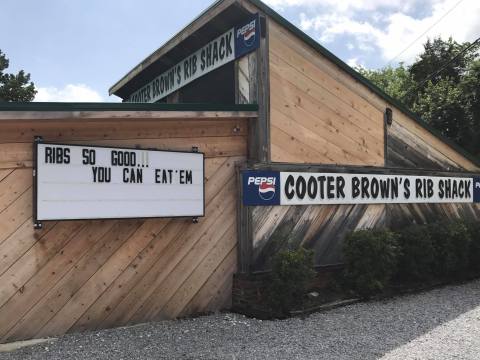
<point x="252" y="86"/>
<point x="243" y="226"/>
<point x="263" y="94"/>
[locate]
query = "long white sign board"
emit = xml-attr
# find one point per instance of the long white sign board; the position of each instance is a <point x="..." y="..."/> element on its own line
<point x="308" y="188"/>
<point x="76" y="182"/>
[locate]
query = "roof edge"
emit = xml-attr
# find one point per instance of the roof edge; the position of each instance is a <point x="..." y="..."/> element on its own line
<point x="78" y="106"/>
<point x="154" y="56"/>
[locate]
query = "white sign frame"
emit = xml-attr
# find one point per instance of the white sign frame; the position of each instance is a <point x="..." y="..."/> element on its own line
<point x="349" y="199"/>
<point x="277" y="188"/>
<point x="150" y="165"/>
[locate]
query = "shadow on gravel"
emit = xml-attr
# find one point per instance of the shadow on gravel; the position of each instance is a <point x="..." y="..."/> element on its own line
<point x="361" y="331"/>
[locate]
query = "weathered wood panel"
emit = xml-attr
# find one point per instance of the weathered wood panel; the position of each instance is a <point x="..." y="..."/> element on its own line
<point x="314" y="117"/>
<point x="407" y="214"/>
<point x="411" y="146"/>
<point x="79" y="275"/>
<point x="320" y="228"/>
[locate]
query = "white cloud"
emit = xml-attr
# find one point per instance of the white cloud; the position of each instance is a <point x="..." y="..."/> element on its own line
<point x="387" y="26"/>
<point x="355" y="63"/>
<point x="461" y="24"/>
<point x="346" y="5"/>
<point x="70" y="93"/>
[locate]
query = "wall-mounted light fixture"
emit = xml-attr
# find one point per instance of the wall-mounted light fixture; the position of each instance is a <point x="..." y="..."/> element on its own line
<point x="388" y="116"/>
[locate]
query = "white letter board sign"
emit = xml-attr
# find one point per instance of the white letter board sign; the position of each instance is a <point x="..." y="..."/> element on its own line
<point x="74" y="182"/>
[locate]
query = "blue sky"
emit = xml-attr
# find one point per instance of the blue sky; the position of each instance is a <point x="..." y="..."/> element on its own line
<point x="76" y="49"/>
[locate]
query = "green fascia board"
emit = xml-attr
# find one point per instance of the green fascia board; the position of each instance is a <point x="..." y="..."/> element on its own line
<point x="69" y="106"/>
<point x="357" y="76"/>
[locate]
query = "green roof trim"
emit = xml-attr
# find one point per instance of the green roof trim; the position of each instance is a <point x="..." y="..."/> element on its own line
<point x="70" y="106"/>
<point x="357" y="76"/>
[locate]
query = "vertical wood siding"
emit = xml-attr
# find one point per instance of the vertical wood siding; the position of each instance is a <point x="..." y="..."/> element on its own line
<point x="78" y="275"/>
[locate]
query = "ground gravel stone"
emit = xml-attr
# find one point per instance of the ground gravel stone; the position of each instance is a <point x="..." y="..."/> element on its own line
<point x="440" y="324"/>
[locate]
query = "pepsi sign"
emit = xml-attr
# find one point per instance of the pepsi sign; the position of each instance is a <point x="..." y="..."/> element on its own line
<point x="247" y="37"/>
<point x="261" y="187"/>
<point x="476" y="189"/>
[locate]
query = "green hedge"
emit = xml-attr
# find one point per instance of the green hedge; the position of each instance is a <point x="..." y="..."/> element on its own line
<point x="474" y="250"/>
<point x="291" y="275"/>
<point x="440" y="252"/>
<point x="371" y="260"/>
<point x="380" y="260"/>
<point x="417" y="255"/>
<point x="452" y="245"/>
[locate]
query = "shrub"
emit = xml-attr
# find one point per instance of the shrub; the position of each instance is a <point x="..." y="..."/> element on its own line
<point x="371" y="258"/>
<point x="292" y="273"/>
<point x="452" y="245"/>
<point x="474" y="251"/>
<point x="417" y="254"/>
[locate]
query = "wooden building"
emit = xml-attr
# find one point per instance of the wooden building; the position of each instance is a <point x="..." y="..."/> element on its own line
<point x="286" y="105"/>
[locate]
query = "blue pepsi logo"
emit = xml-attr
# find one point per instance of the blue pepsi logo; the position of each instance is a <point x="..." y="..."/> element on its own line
<point x="261" y="187"/>
<point x="266" y="186"/>
<point x="248" y="33"/>
<point x="476" y="189"/>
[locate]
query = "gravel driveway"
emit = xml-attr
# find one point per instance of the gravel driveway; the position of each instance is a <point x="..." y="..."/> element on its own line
<point x="439" y="324"/>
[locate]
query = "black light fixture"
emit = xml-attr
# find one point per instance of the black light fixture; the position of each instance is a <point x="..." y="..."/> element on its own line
<point x="388" y="116"/>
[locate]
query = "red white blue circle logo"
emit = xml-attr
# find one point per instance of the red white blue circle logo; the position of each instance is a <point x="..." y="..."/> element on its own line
<point x="266" y="190"/>
<point x="249" y="36"/>
<point x="261" y="187"/>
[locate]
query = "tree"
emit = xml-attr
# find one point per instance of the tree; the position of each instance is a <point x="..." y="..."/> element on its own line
<point x="470" y="90"/>
<point x="442" y="106"/>
<point x="442" y="86"/>
<point x="436" y="55"/>
<point x="396" y="82"/>
<point x="15" y="87"/>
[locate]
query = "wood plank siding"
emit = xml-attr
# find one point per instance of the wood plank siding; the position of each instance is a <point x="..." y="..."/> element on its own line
<point x="409" y="145"/>
<point x="78" y="275"/>
<point x="412" y="146"/>
<point x="315" y="118"/>
<point x="320" y="114"/>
